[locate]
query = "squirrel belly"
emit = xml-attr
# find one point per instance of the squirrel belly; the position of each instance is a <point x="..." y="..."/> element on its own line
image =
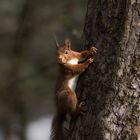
<point x="73" y="81"/>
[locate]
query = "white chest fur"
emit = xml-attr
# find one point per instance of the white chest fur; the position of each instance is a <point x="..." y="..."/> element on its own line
<point x="73" y="61"/>
<point x="73" y="81"/>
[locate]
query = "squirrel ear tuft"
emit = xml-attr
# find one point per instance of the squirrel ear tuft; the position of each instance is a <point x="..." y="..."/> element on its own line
<point x="56" y="42"/>
<point x="67" y="43"/>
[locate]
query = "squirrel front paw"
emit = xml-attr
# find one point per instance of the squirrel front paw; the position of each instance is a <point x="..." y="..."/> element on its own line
<point x="90" y="60"/>
<point x="93" y="49"/>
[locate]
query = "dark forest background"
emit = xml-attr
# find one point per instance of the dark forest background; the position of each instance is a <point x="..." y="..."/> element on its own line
<point x="28" y="68"/>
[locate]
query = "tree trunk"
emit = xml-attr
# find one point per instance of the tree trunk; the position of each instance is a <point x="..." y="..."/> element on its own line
<point x="111" y="85"/>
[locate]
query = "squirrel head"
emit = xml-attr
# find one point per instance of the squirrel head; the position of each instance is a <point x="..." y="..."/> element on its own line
<point x="65" y="54"/>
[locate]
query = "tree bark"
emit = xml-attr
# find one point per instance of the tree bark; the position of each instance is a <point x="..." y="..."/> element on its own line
<point x="111" y="85"/>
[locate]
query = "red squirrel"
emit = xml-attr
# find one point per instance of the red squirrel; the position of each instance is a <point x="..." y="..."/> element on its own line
<point x="65" y="97"/>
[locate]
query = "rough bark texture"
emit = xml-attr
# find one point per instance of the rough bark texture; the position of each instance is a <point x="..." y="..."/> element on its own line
<point x="111" y="86"/>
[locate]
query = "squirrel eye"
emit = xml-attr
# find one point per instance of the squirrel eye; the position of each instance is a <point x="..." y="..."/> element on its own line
<point x="66" y="52"/>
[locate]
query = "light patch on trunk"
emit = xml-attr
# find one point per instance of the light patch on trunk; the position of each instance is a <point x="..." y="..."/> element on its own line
<point x="73" y="81"/>
<point x="137" y="131"/>
<point x="138" y="137"/>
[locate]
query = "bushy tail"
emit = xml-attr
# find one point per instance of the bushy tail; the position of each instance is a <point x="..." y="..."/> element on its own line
<point x="57" y="130"/>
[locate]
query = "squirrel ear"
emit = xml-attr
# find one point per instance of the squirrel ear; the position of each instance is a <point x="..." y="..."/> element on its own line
<point x="67" y="44"/>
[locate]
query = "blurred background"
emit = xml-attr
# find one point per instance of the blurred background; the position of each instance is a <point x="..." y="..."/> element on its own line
<point x="28" y="67"/>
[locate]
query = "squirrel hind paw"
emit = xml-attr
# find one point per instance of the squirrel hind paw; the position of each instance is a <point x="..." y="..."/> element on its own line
<point x="83" y="108"/>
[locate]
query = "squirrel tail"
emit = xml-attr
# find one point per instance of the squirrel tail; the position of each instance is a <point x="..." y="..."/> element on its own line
<point x="57" y="130"/>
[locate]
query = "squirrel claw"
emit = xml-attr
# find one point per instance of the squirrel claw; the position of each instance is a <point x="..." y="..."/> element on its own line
<point x="93" y="49"/>
<point x="82" y="104"/>
<point x="83" y="108"/>
<point x="90" y="60"/>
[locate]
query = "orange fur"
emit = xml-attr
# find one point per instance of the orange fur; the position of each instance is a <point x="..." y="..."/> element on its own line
<point x="65" y="96"/>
